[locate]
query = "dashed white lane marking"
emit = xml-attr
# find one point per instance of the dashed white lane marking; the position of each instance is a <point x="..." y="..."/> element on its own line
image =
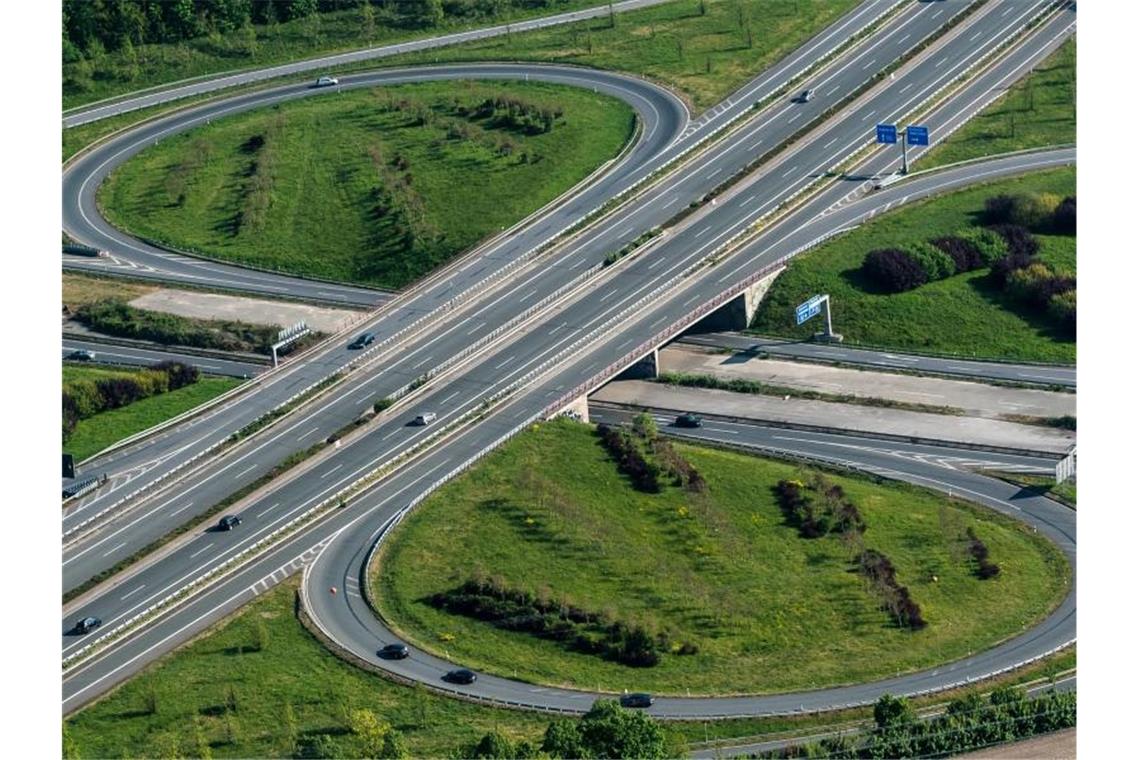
<point x="140" y="588"/>
<point x="243" y="472"/>
<point x="267" y="510"/>
<point x="330" y="472"/>
<point x="204" y="548"/>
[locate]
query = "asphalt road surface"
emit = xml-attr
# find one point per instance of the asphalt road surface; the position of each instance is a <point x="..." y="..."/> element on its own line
<point x="213" y="83"/>
<point x="1029" y="374"/>
<point x="108" y="353"/>
<point x="486" y="316"/>
<point x="592" y="344"/>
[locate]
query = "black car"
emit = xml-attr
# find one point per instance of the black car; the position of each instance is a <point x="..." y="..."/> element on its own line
<point x="81" y="355"/>
<point x="463" y="675"/>
<point x="362" y="340"/>
<point x="394" y="652"/>
<point x="688" y="420"/>
<point x="637" y="699"/>
<point x="229" y="522"/>
<point x="88" y="624"/>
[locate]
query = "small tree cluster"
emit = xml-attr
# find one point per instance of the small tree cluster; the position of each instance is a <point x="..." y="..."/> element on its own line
<point x="893" y="270"/>
<point x="971" y="249"/>
<point x="508" y="112"/>
<point x="879" y="571"/>
<point x="981" y="554"/>
<point x="1034" y="211"/>
<point x="969" y="723"/>
<point x="1065" y="216"/>
<point x="819" y="508"/>
<point x="492" y="601"/>
<point x="630" y="459"/>
<point x="605" y="731"/>
<point x="114" y="316"/>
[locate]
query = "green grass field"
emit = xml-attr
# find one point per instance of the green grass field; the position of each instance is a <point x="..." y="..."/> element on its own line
<point x="703" y="56"/>
<point x="355" y="186"/>
<point x="1039" y="110"/>
<point x="94" y="434"/>
<point x="768" y="610"/>
<point x="118" y="73"/>
<point x="962" y="315"/>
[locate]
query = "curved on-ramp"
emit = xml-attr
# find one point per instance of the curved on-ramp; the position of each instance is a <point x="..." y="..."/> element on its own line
<point x="348" y="621"/>
<point x="662" y="115"/>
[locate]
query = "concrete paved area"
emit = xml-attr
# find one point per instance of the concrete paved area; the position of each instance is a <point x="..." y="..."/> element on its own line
<point x="976" y="399"/>
<point x="255" y="310"/>
<point x="864" y="419"/>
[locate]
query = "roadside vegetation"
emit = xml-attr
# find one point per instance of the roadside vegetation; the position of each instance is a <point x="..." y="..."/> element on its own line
<point x="1039" y="110"/>
<point x="620" y="560"/>
<point x="924" y="279"/>
<point x="412" y="174"/>
<point x="1066" y="492"/>
<point x="102" y="405"/>
<point x="259" y="685"/>
<point x="111" y="49"/>
<point x="112" y="316"/>
<point x="704" y="49"/>
<point x="79" y="290"/>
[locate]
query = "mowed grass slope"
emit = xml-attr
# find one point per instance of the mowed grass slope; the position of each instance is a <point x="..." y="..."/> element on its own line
<point x="378" y="186"/>
<point x="191" y="684"/>
<point x="94" y="434"/>
<point x="964" y="315"/>
<point x="705" y="56"/>
<point x="768" y="610"/>
<point x="1039" y="110"/>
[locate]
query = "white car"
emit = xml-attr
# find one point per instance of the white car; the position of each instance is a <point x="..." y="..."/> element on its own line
<point x="327" y="81"/>
<point x="425" y="419"/>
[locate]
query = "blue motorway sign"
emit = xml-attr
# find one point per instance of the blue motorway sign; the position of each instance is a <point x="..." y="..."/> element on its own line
<point x="808" y="309"/>
<point x="886" y="133"/>
<point x="917" y="136"/>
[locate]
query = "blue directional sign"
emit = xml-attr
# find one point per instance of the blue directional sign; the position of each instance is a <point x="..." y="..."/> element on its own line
<point x="808" y="309"/>
<point x="886" y="134"/>
<point x="917" y="136"/>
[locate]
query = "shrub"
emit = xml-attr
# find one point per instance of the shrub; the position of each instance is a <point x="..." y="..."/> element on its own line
<point x="981" y="554"/>
<point x="1065" y="216"/>
<point x="1032" y="210"/>
<point x="630" y="460"/>
<point x="963" y="252"/>
<point x="893" y="270"/>
<point x="998" y="209"/>
<point x="935" y="262"/>
<point x="1037" y="283"/>
<point x="1018" y="240"/>
<point x="1062" y="309"/>
<point x="990" y="245"/>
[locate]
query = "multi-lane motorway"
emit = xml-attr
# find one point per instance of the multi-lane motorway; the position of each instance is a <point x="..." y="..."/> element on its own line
<point x="587" y="336"/>
<point x="132" y="356"/>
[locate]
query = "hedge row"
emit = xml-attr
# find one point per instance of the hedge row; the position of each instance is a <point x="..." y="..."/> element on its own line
<point x="115" y="317"/>
<point x="630" y="460"/>
<point x="981" y="554"/>
<point x="819" y="508"/>
<point x="577" y="629"/>
<point x="969" y="723"/>
<point x="906" y="267"/>
<point x="1041" y="212"/>
<point x="85" y="398"/>
<point x="896" y="599"/>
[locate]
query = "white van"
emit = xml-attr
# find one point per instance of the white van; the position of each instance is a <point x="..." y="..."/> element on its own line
<point x="426" y="418"/>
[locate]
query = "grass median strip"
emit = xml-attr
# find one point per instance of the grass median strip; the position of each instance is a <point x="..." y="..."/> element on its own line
<point x="741" y="385"/>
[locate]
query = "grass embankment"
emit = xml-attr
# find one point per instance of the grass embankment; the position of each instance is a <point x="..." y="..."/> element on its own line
<point x="411" y="174"/>
<point x="79" y="290"/>
<point x="189" y="689"/>
<point x="94" y="434"/>
<point x="767" y="610"/>
<point x="704" y="57"/>
<point x="704" y="49"/>
<point x="964" y="314"/>
<point x="1039" y="110"/>
<point x="99" y="74"/>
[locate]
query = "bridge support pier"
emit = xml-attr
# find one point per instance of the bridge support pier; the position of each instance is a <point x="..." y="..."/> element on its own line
<point x="644" y="369"/>
<point x="578" y="409"/>
<point x="737" y="314"/>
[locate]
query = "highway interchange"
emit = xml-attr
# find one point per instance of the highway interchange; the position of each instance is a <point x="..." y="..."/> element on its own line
<point x="578" y="339"/>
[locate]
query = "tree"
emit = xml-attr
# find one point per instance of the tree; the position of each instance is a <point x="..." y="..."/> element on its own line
<point x="563" y="739"/>
<point x="367" y="21"/>
<point x="608" y="731"/>
<point x="201" y="745"/>
<point x="644" y="425"/>
<point x="369" y="731"/>
<point x="493" y="746"/>
<point x="893" y="712"/>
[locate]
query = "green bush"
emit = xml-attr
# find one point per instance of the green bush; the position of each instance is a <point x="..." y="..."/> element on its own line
<point x="115" y="317"/>
<point x="936" y="263"/>
<point x="990" y="244"/>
